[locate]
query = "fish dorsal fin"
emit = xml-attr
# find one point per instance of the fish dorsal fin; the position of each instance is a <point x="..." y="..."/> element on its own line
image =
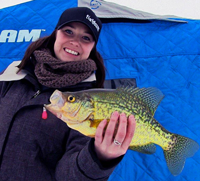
<point x="151" y="96"/>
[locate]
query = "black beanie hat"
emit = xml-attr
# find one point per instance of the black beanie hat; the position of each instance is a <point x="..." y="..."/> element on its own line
<point x="83" y="15"/>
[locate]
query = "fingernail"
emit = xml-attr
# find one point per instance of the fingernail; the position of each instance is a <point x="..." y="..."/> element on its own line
<point x="131" y="116"/>
<point x="115" y="113"/>
<point x="122" y="114"/>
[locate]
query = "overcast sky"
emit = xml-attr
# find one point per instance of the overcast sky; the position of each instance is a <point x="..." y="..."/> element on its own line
<point x="182" y="8"/>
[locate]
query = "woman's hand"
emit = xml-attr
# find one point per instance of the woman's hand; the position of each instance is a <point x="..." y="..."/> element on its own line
<point x="113" y="141"/>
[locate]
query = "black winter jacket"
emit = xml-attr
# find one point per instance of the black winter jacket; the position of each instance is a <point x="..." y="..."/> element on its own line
<point x="34" y="149"/>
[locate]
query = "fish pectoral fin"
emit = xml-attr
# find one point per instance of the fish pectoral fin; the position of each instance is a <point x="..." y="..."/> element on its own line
<point x="94" y="123"/>
<point x="147" y="149"/>
<point x="83" y="127"/>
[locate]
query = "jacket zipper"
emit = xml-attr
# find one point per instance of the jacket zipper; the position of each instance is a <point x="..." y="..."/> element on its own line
<point x="36" y="94"/>
<point x="44" y="112"/>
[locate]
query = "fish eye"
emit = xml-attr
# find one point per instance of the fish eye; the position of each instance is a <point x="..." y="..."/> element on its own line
<point x="71" y="98"/>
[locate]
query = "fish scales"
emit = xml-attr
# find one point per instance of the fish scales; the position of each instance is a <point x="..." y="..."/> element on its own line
<point x="114" y="103"/>
<point x="130" y="105"/>
<point x="84" y="110"/>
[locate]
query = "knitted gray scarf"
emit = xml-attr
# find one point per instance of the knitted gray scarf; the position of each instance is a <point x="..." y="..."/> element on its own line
<point x="54" y="73"/>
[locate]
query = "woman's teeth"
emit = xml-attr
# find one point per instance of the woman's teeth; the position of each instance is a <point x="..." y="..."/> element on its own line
<point x="71" y="52"/>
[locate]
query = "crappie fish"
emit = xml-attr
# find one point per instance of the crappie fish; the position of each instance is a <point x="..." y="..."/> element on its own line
<point x="84" y="110"/>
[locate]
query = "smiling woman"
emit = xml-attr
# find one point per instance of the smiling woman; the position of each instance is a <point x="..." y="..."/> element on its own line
<point x="40" y="146"/>
<point x="73" y="42"/>
<point x="74" y="39"/>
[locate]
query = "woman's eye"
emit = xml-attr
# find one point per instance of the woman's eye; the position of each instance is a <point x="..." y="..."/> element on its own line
<point x="68" y="32"/>
<point x="86" y="38"/>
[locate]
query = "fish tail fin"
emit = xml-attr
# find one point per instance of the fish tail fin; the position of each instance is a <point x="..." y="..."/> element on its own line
<point x="175" y="156"/>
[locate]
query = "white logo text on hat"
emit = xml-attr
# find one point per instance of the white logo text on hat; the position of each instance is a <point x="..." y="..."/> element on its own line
<point x="92" y="21"/>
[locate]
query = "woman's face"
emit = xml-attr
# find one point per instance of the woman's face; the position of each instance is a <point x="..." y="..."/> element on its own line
<point x="73" y="42"/>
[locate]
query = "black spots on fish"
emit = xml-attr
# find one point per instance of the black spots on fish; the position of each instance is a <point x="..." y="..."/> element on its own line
<point x="145" y="120"/>
<point x="179" y="149"/>
<point x="159" y="128"/>
<point x="172" y="143"/>
<point x="147" y="149"/>
<point x="123" y="100"/>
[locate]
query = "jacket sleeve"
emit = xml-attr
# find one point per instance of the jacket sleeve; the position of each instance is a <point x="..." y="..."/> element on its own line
<point x="80" y="161"/>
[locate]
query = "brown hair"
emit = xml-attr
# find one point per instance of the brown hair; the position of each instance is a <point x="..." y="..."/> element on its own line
<point x="48" y="42"/>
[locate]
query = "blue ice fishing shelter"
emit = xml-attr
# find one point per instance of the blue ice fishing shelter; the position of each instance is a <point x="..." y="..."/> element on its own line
<point x="138" y="48"/>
